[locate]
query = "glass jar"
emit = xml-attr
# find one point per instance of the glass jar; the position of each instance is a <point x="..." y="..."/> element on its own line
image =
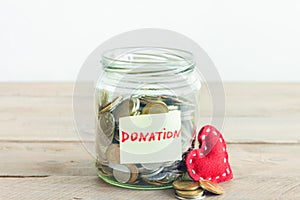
<point x="147" y="109"/>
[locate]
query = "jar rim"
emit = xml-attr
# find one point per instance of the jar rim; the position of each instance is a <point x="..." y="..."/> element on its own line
<point x="154" y="55"/>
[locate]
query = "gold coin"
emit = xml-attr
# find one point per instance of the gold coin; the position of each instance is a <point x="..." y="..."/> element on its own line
<point x="107" y="171"/>
<point x="211" y="187"/>
<point x="185" y="185"/>
<point x="189" y="194"/>
<point x="134" y="173"/>
<point x="111" y="105"/>
<point x="155" y="107"/>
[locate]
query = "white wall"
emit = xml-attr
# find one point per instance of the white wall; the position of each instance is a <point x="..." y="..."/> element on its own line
<point x="48" y="40"/>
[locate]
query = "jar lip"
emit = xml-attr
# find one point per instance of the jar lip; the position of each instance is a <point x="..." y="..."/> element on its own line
<point x="147" y="55"/>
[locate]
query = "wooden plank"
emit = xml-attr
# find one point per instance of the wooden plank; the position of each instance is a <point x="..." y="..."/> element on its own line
<point x="33" y="111"/>
<point x="35" y="127"/>
<point x="69" y="158"/>
<point x="242" y="99"/>
<point x="66" y="171"/>
<point x="86" y="187"/>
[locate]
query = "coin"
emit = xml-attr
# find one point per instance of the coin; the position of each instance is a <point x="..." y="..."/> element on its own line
<point x="125" y="173"/>
<point x="171" y="100"/>
<point x="107" y="171"/>
<point x="107" y="123"/>
<point x="211" y="187"/>
<point x="156" y="177"/>
<point x="113" y="154"/>
<point x="122" y="173"/>
<point x="101" y="138"/>
<point x="185" y="185"/>
<point x="151" y="166"/>
<point x="155" y="107"/>
<point x="101" y="96"/>
<point x="194" y="198"/>
<point x="134" y="173"/>
<point x="171" y="176"/>
<point x="190" y="194"/>
<point x="111" y="105"/>
<point x="151" y="98"/>
<point x="101" y="152"/>
<point x="126" y="108"/>
<point x="156" y="183"/>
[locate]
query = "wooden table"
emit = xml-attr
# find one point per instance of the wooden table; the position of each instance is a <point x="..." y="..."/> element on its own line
<point x="42" y="157"/>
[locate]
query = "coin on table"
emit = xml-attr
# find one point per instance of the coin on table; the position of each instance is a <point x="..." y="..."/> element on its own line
<point x="113" y="154"/>
<point x="126" y="108"/>
<point x="185" y="185"/>
<point x="201" y="197"/>
<point x="107" y="123"/>
<point x="190" y="194"/>
<point x="211" y="187"/>
<point x="111" y="105"/>
<point x="155" y="107"/>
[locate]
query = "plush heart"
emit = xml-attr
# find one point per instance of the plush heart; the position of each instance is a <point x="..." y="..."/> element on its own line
<point x="210" y="161"/>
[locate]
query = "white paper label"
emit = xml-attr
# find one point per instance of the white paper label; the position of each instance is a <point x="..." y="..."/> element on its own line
<point x="150" y="138"/>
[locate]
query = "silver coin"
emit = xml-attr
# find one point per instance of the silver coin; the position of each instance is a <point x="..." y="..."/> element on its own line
<point x="122" y="173"/>
<point x="107" y="123"/>
<point x="172" y="176"/>
<point x="148" y="174"/>
<point x="168" y="164"/>
<point x="101" y="138"/>
<point x="126" y="108"/>
<point x="151" y="166"/>
<point x="157" y="177"/>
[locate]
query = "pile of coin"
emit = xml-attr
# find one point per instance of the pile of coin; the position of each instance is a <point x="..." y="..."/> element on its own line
<point x="107" y="136"/>
<point x="188" y="189"/>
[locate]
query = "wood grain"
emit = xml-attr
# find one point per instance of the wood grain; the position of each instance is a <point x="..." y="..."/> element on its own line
<point x="42" y="157"/>
<point x="65" y="171"/>
<point x="43" y="111"/>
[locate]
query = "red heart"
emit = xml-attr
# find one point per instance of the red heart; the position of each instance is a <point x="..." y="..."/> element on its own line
<point x="210" y="162"/>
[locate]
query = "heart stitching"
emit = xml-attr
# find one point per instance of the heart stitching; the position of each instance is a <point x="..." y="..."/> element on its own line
<point x="210" y="161"/>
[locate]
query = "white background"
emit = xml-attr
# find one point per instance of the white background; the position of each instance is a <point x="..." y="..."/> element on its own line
<point x="43" y="40"/>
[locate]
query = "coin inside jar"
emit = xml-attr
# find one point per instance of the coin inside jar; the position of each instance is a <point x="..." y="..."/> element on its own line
<point x="111" y="105"/>
<point x="101" y="97"/>
<point x="211" y="187"/>
<point x="107" y="123"/>
<point x="185" y="185"/>
<point x="101" y="138"/>
<point x="151" y="166"/>
<point x="126" y="108"/>
<point x="155" y="107"/>
<point x="113" y="154"/>
<point x="125" y="173"/>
